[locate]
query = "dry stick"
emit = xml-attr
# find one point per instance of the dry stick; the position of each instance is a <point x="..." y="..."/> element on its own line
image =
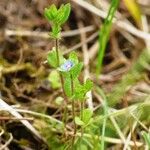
<point x="125" y="103"/>
<point x="93" y="36"/>
<point x="3" y="147"/>
<point x="10" y="118"/>
<point x="118" y="130"/>
<point x="86" y="74"/>
<point x="131" y="129"/>
<point x="2" y="132"/>
<point x="12" y="111"/>
<point x="113" y="121"/>
<point x="108" y="139"/>
<point x="105" y="7"/>
<point x="140" y="123"/>
<point x="121" y="24"/>
<point x="86" y="66"/>
<point x="111" y="140"/>
<point x="94" y="48"/>
<point x="146" y="29"/>
<point x="129" y="136"/>
<point x="45" y="34"/>
<point x="38" y="115"/>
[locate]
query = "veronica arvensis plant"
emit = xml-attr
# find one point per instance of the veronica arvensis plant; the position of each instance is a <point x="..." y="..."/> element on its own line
<point x="69" y="69"/>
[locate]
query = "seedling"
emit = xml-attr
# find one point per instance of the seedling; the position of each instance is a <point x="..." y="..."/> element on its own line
<point x="69" y="69"/>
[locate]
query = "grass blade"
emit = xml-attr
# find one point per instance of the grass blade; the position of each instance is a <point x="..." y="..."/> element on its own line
<point x="104" y="34"/>
<point x="105" y="109"/>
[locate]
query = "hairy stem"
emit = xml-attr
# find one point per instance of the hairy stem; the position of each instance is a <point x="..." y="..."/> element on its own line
<point x="81" y="116"/>
<point x="73" y="112"/>
<point x="62" y="84"/>
<point x="57" y="51"/>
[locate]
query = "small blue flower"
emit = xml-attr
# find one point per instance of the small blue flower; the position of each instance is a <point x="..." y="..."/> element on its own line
<point x="67" y="65"/>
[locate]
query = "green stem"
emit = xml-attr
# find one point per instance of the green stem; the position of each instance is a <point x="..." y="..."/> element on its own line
<point x="66" y="101"/>
<point x="57" y="51"/>
<point x="73" y="112"/>
<point x="81" y="116"/>
<point x="62" y="84"/>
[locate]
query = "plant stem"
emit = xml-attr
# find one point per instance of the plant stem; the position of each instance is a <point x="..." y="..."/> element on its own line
<point x="66" y="100"/>
<point x="62" y="83"/>
<point x="57" y="51"/>
<point x="81" y="116"/>
<point x="73" y="111"/>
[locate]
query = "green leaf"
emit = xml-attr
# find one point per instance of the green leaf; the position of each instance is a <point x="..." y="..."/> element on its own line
<point x="53" y="10"/>
<point x="52" y="58"/>
<point x="54" y="79"/>
<point x="50" y="13"/>
<point x="75" y="71"/>
<point x="67" y="84"/>
<point x="81" y="90"/>
<point x="88" y="85"/>
<point x="78" y="121"/>
<point x="87" y="115"/>
<point x="60" y="14"/>
<point x="78" y="90"/>
<point x="63" y="13"/>
<point x="67" y="9"/>
<point x="73" y="57"/>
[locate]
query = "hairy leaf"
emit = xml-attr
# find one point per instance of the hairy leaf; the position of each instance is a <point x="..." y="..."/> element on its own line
<point x="63" y="13"/>
<point x="50" y="13"/>
<point x="78" y="121"/>
<point x="75" y="71"/>
<point x="52" y="58"/>
<point x="73" y="57"/>
<point x="54" y="79"/>
<point x="87" y="114"/>
<point x="67" y="84"/>
<point x="88" y="85"/>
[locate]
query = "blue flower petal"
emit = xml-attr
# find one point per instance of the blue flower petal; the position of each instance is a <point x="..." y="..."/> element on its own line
<point x="67" y="65"/>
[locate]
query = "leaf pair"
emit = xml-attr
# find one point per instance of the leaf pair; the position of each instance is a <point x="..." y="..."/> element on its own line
<point x="57" y="17"/>
<point x="81" y="90"/>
